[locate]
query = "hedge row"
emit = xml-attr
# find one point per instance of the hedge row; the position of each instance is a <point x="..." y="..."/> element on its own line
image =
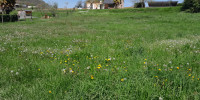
<point x="9" y="18"/>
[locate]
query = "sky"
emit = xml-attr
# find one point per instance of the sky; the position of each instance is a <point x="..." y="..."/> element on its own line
<point x="72" y="3"/>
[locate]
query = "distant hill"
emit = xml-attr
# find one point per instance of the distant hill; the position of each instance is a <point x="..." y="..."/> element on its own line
<point x="31" y="2"/>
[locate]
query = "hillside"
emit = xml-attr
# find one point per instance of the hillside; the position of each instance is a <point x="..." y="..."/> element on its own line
<point x="32" y="2"/>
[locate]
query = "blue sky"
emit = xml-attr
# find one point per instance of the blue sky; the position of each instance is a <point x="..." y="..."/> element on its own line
<point x="72" y="3"/>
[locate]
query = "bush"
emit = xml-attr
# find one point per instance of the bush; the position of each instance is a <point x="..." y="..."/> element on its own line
<point x="191" y="6"/>
<point x="139" y="5"/>
<point x="9" y="18"/>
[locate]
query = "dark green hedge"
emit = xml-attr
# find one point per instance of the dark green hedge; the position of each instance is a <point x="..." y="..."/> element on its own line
<point x="9" y="18"/>
<point x="191" y="6"/>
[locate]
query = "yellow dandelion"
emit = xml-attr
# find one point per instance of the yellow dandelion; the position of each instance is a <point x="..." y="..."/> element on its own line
<point x="68" y="59"/>
<point x="41" y="52"/>
<point x="144" y="62"/>
<point x="159" y="69"/>
<point x="98" y="67"/>
<point x="170" y="69"/>
<point x="122" y="79"/>
<point x="73" y="64"/>
<point x="189" y="69"/>
<point x="92" y="77"/>
<point x="50" y="92"/>
<point x="156" y="76"/>
<point x="189" y="75"/>
<point x="145" y="59"/>
<point x="38" y="69"/>
<point x="197" y="78"/>
<point x="106" y="65"/>
<point x="192" y="76"/>
<point x="108" y="60"/>
<point x="65" y="60"/>
<point x="178" y="67"/>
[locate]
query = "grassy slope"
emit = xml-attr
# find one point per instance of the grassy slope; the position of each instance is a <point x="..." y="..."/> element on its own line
<point x="38" y="51"/>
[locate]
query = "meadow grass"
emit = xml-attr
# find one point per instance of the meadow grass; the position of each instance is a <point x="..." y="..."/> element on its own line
<point x="135" y="54"/>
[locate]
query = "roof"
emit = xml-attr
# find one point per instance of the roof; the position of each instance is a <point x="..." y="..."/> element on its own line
<point x="108" y="2"/>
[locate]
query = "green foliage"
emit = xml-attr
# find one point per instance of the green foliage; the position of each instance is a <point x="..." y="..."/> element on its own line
<point x="9" y="18"/>
<point x="191" y="6"/>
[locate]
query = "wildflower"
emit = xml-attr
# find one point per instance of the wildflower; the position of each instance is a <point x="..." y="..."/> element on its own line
<point x="197" y="78"/>
<point x="73" y="64"/>
<point x="189" y="75"/>
<point x="88" y="67"/>
<point x="106" y="65"/>
<point x="70" y="70"/>
<point x="17" y="73"/>
<point x="65" y="60"/>
<point x="145" y="59"/>
<point x="50" y="92"/>
<point x="38" y="69"/>
<point x="41" y="53"/>
<point x="189" y="69"/>
<point x="192" y="76"/>
<point x="159" y="69"/>
<point x="156" y="76"/>
<point x="99" y="66"/>
<point x="170" y="69"/>
<point x="145" y="62"/>
<point x="11" y="71"/>
<point x="92" y="77"/>
<point x="177" y="67"/>
<point x="122" y="79"/>
<point x="64" y="70"/>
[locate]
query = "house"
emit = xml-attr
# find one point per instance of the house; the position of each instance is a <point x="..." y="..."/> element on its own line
<point x="91" y="4"/>
<point x="111" y="4"/>
<point x="103" y="4"/>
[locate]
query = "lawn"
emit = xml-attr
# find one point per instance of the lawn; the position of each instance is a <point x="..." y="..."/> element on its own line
<point x="135" y="54"/>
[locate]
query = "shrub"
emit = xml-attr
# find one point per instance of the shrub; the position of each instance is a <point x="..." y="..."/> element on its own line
<point x="9" y="18"/>
<point x="191" y="6"/>
<point x="139" y="5"/>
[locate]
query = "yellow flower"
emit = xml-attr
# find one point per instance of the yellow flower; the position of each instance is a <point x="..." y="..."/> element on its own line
<point x="98" y="67"/>
<point x="106" y="65"/>
<point x="159" y="69"/>
<point x="189" y="69"/>
<point x="156" y="76"/>
<point x="145" y="59"/>
<point x="38" y="69"/>
<point x="108" y="60"/>
<point x="92" y="77"/>
<point x="122" y="79"/>
<point x="189" y="75"/>
<point x="192" y="76"/>
<point x="144" y="62"/>
<point x="197" y="78"/>
<point x="41" y="52"/>
<point x="73" y="64"/>
<point x="65" y="60"/>
<point x="170" y="69"/>
<point x="61" y="62"/>
<point x="177" y="67"/>
<point x="50" y="92"/>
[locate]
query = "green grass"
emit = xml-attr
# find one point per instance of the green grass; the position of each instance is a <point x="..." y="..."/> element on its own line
<point x="136" y="54"/>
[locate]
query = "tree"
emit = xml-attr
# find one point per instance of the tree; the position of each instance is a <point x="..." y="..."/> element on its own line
<point x="7" y="5"/>
<point x="79" y="4"/>
<point x="117" y="2"/>
<point x="191" y="6"/>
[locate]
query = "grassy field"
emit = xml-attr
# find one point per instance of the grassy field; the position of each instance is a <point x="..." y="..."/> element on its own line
<point x="135" y="54"/>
